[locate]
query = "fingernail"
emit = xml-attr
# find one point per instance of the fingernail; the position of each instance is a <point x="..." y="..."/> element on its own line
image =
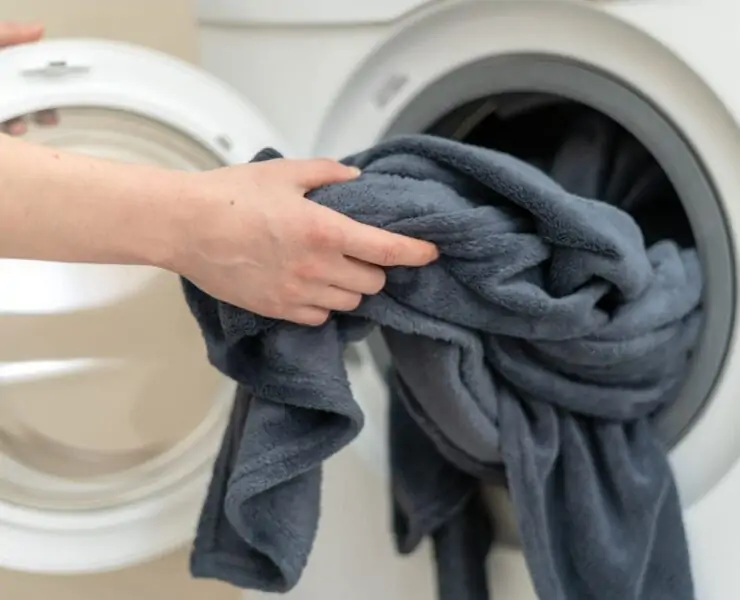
<point x="357" y="172"/>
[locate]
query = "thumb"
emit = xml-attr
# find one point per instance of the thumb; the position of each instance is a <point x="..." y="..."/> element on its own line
<point x="19" y="33"/>
<point x="310" y="174"/>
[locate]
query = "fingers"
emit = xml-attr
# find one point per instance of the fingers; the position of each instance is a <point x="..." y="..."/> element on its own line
<point x="46" y="118"/>
<point x="327" y="299"/>
<point x="308" y="315"/>
<point x="18" y="126"/>
<point x="310" y="174"/>
<point x="331" y="230"/>
<point x="358" y="277"/>
<point x="378" y="247"/>
<point x="14" y="127"/>
<point x="342" y="289"/>
<point x="334" y="298"/>
<point x="19" y="33"/>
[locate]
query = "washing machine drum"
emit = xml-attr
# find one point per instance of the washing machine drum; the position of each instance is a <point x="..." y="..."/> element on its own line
<point x="110" y="414"/>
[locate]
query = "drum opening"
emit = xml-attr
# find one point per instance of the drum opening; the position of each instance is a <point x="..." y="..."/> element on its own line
<point x="519" y="103"/>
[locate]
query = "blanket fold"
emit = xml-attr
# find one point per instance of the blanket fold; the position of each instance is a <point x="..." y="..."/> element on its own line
<point x="536" y="349"/>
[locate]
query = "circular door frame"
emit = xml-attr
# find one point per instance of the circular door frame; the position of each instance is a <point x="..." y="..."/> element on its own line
<point x="409" y="61"/>
<point x="102" y="74"/>
<point x="115" y="75"/>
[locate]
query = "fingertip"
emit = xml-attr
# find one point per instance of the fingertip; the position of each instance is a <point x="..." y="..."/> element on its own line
<point x="337" y="168"/>
<point x="342" y="172"/>
<point x="15" y="127"/>
<point x="325" y="171"/>
<point x="426" y="252"/>
<point x="411" y="252"/>
<point x="432" y="252"/>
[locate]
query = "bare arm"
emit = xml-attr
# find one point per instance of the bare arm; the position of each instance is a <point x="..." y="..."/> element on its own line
<point x="244" y="234"/>
<point x="68" y="207"/>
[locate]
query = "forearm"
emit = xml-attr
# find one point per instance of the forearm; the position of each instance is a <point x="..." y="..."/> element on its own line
<point x="66" y="207"/>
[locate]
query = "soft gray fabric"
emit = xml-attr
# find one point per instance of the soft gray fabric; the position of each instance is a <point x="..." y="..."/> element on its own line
<point x="540" y="341"/>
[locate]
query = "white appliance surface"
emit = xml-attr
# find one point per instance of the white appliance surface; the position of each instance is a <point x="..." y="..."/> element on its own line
<point x="356" y="72"/>
<point x="327" y="81"/>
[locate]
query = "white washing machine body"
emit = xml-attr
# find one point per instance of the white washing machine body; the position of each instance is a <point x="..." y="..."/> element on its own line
<point x="335" y="77"/>
<point x="111" y="350"/>
<point x="331" y="77"/>
<point x="291" y="58"/>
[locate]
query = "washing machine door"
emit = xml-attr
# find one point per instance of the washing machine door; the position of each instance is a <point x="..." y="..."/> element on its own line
<point x="110" y="415"/>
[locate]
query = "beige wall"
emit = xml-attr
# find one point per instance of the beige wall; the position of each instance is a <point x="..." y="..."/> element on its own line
<point x="166" y="25"/>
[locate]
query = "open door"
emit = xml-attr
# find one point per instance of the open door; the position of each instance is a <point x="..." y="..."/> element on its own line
<point x="110" y="415"/>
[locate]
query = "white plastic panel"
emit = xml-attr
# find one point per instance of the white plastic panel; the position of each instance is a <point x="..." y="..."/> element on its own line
<point x="306" y="12"/>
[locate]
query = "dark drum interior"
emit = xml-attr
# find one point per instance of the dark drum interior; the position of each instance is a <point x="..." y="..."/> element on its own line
<point x="534" y="127"/>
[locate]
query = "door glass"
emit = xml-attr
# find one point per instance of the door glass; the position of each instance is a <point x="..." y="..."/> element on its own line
<point x="103" y="373"/>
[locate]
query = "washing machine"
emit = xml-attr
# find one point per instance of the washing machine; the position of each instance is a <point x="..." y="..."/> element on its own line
<point x="335" y="77"/>
<point x="327" y="77"/>
<point x="110" y="415"/>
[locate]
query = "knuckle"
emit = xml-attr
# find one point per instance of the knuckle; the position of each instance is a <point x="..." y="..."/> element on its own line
<point x="268" y="307"/>
<point x="307" y="270"/>
<point x="324" y="234"/>
<point x="289" y="293"/>
<point x="275" y="308"/>
<point x="389" y="254"/>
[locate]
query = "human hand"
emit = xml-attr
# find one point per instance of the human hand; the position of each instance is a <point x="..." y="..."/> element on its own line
<point x="12" y="34"/>
<point x="256" y="242"/>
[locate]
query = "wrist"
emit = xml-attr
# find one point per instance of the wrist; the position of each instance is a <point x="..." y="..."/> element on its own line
<point x="159" y="216"/>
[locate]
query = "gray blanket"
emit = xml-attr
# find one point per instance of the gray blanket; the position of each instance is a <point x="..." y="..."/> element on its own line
<point x="538" y="346"/>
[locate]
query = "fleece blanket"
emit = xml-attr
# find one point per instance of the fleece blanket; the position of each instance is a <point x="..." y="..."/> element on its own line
<point x="535" y="349"/>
